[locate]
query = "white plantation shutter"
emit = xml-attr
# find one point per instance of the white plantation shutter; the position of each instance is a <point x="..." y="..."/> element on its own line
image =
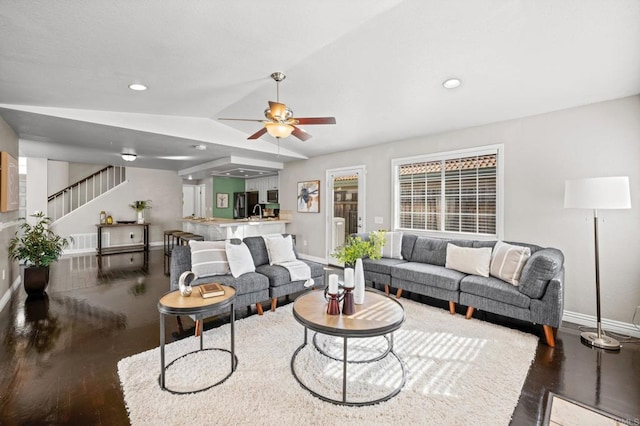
<point x="457" y="193"/>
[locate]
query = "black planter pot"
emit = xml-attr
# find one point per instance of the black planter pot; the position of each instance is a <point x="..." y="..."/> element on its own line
<point x="35" y="279"/>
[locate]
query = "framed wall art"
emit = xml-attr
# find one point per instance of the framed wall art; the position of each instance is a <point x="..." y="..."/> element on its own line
<point x="9" y="186"/>
<point x="222" y="200"/>
<point x="309" y="196"/>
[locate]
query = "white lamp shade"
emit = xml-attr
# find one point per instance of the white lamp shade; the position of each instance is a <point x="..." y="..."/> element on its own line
<point x="598" y="193"/>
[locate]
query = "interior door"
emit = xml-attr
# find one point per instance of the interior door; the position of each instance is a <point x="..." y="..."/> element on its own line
<point x="345" y="206"/>
<point x="188" y="200"/>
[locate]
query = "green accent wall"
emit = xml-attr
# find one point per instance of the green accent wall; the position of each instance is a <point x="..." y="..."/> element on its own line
<point x="224" y="185"/>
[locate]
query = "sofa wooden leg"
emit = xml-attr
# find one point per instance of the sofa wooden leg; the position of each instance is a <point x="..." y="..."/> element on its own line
<point x="398" y="293"/>
<point x="259" y="308"/>
<point x="386" y="289"/>
<point x="470" y="310"/>
<point x="549" y="335"/>
<point x="274" y="303"/>
<point x="452" y="307"/>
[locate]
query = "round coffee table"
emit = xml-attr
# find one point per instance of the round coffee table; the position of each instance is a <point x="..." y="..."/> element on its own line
<point x="380" y="315"/>
<point x="173" y="303"/>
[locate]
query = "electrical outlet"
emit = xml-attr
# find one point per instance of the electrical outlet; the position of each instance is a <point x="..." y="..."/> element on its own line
<point x="378" y="220"/>
<point x="131" y="235"/>
<point x="304" y="243"/>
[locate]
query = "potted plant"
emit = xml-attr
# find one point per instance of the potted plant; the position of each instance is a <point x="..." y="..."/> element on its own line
<point x="357" y="248"/>
<point x="37" y="247"/>
<point x="139" y="206"/>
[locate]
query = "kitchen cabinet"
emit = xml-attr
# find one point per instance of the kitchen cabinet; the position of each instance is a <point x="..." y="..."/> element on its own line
<point x="262" y="185"/>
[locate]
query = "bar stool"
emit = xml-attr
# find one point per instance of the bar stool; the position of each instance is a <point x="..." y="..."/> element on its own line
<point x="184" y="240"/>
<point x="171" y="239"/>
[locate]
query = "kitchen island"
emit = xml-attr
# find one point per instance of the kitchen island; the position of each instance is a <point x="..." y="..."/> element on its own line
<point x="213" y="229"/>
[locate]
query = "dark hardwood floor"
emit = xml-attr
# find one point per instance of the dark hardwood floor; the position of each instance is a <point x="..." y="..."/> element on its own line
<point x="59" y="354"/>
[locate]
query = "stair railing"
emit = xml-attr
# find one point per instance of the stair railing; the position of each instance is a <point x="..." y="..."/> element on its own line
<point x="80" y="193"/>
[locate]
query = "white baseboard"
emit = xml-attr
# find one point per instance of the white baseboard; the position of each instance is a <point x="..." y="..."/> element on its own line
<point x="6" y="297"/>
<point x="619" y="327"/>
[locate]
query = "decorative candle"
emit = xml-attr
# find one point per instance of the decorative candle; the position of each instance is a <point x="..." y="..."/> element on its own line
<point x="333" y="284"/>
<point x="348" y="277"/>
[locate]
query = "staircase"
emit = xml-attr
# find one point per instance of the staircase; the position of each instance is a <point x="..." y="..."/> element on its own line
<point x="80" y="193"/>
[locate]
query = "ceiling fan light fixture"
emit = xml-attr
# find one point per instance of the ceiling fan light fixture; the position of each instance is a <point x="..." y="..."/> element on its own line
<point x="127" y="156"/>
<point x="279" y="130"/>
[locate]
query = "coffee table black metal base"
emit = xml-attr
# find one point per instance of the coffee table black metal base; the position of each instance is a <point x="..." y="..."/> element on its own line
<point x="378" y="316"/>
<point x="388" y="352"/>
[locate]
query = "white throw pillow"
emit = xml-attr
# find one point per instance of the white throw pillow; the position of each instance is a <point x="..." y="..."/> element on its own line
<point x="240" y="259"/>
<point x="507" y="262"/>
<point x="279" y="248"/>
<point x="473" y="261"/>
<point x="393" y="245"/>
<point x="208" y="258"/>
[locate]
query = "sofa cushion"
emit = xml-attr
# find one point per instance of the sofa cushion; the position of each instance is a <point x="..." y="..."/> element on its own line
<point x="434" y="250"/>
<point x="278" y="275"/>
<point x="494" y="289"/>
<point x="408" y="241"/>
<point x="246" y="283"/>
<point x="507" y="261"/>
<point x="469" y="260"/>
<point x="240" y="260"/>
<point x="380" y="266"/>
<point x="208" y="258"/>
<point x="431" y="275"/>
<point x="258" y="249"/>
<point x="539" y="269"/>
<point x="392" y="245"/>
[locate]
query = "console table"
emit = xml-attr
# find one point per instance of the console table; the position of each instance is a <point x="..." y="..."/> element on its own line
<point x="128" y="248"/>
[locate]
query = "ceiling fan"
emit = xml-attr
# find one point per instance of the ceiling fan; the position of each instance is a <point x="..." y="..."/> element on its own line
<point x="280" y="122"/>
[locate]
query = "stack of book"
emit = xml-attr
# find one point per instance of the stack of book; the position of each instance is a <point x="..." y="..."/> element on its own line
<point x="211" y="290"/>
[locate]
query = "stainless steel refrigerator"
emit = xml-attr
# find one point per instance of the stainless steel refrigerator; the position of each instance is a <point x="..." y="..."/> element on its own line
<point x="243" y="204"/>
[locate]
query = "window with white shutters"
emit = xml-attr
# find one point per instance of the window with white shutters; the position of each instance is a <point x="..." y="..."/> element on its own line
<point x="454" y="192"/>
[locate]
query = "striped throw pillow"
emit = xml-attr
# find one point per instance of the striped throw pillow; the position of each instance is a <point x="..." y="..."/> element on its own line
<point x="507" y="262"/>
<point x="209" y="258"/>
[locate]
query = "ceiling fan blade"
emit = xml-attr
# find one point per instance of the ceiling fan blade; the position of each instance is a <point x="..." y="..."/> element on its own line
<point x="241" y="119"/>
<point x="277" y="109"/>
<point x="300" y="134"/>
<point x="259" y="133"/>
<point x="316" y="120"/>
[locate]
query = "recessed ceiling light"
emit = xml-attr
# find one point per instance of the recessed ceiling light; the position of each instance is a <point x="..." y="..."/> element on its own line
<point x="452" y="83"/>
<point x="200" y="147"/>
<point x="227" y="174"/>
<point x="246" y="175"/>
<point x="137" y="86"/>
<point x="190" y="177"/>
<point x="128" y="156"/>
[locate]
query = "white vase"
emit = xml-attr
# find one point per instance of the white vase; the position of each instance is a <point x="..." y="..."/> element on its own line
<point x="140" y="216"/>
<point x="358" y="282"/>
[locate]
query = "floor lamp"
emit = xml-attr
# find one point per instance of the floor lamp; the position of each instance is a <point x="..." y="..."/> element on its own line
<point x="598" y="193"/>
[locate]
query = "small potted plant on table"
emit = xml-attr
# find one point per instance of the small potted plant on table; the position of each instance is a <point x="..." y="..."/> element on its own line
<point x="37" y="247"/>
<point x="140" y="206"/>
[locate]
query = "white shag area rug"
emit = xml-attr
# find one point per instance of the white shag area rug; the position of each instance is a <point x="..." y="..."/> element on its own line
<point x="458" y="372"/>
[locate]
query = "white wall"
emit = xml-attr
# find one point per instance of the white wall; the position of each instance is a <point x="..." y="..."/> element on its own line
<point x="9" y="270"/>
<point x="58" y="173"/>
<point x="541" y="152"/>
<point x="36" y="185"/>
<point x="162" y="187"/>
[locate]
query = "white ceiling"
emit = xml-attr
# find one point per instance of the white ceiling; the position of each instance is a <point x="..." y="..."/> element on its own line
<point x="377" y="66"/>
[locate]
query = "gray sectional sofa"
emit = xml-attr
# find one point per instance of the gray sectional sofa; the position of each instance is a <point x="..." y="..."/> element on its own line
<point x="267" y="282"/>
<point x="538" y="298"/>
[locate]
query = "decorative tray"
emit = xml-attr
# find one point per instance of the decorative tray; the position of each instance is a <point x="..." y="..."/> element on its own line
<point x="127" y="222"/>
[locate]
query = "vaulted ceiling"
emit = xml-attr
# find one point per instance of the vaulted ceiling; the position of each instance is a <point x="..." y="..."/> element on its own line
<point x="377" y="66"/>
